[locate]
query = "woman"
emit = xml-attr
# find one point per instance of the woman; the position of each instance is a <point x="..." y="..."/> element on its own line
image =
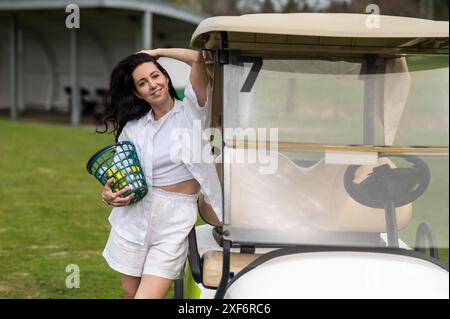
<point x="148" y="239"/>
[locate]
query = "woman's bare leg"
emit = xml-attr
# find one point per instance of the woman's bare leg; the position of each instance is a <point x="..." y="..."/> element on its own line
<point x="130" y="286"/>
<point x="153" y="287"/>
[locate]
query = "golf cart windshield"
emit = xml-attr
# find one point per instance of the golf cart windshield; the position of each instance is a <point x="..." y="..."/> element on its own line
<point x="313" y="100"/>
<point x="313" y="143"/>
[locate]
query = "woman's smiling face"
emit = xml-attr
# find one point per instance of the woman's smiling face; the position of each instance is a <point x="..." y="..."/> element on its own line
<point x="150" y="83"/>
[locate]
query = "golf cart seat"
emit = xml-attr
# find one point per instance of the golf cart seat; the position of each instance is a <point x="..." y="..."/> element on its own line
<point x="315" y="194"/>
<point x="212" y="265"/>
<point x="206" y="254"/>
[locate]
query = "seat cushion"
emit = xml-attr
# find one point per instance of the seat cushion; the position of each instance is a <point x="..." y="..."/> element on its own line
<point x="212" y="265"/>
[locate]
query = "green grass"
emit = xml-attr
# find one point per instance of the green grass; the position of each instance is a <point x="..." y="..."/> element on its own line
<point x="51" y="214"/>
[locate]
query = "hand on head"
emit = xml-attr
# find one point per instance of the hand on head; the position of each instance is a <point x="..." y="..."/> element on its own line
<point x="153" y="53"/>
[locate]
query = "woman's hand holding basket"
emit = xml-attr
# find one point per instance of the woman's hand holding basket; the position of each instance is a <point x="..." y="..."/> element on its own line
<point x="115" y="199"/>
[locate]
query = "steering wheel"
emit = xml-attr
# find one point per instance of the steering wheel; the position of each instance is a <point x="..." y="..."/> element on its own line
<point x="399" y="186"/>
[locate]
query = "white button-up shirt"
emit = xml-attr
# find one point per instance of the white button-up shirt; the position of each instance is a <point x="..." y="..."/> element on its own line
<point x="131" y="222"/>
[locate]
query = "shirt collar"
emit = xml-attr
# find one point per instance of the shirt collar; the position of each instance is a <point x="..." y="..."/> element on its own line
<point x="149" y="118"/>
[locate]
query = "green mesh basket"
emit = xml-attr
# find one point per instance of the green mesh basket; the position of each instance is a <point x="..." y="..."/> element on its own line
<point x="119" y="161"/>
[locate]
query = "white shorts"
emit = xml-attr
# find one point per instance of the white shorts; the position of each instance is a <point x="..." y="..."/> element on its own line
<point x="164" y="252"/>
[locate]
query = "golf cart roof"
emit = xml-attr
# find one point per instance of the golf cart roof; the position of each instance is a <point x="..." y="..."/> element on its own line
<point x="323" y="29"/>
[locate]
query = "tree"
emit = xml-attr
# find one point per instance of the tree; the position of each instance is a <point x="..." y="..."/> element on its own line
<point x="428" y="9"/>
<point x="228" y="7"/>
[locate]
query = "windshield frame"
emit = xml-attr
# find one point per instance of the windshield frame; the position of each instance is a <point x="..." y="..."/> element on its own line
<point x="380" y="150"/>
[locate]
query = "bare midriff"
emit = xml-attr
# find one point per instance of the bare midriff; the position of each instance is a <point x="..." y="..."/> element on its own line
<point x="186" y="187"/>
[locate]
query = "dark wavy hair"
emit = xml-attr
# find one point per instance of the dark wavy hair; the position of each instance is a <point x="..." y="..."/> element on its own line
<point x="121" y="105"/>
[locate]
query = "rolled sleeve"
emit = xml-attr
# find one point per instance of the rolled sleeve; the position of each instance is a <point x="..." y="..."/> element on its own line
<point x="192" y="107"/>
<point x="189" y="94"/>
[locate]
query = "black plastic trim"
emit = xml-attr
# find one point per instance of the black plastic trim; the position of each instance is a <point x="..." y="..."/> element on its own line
<point x="194" y="259"/>
<point x="247" y="249"/>
<point x="222" y="53"/>
<point x="178" y="289"/>
<point x="223" y="285"/>
<point x="369" y="239"/>
<point x="425" y="231"/>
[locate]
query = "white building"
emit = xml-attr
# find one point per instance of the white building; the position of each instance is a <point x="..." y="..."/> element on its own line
<point x="41" y="59"/>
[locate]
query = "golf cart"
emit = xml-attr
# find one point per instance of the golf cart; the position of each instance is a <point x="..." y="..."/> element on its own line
<point x="332" y="150"/>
